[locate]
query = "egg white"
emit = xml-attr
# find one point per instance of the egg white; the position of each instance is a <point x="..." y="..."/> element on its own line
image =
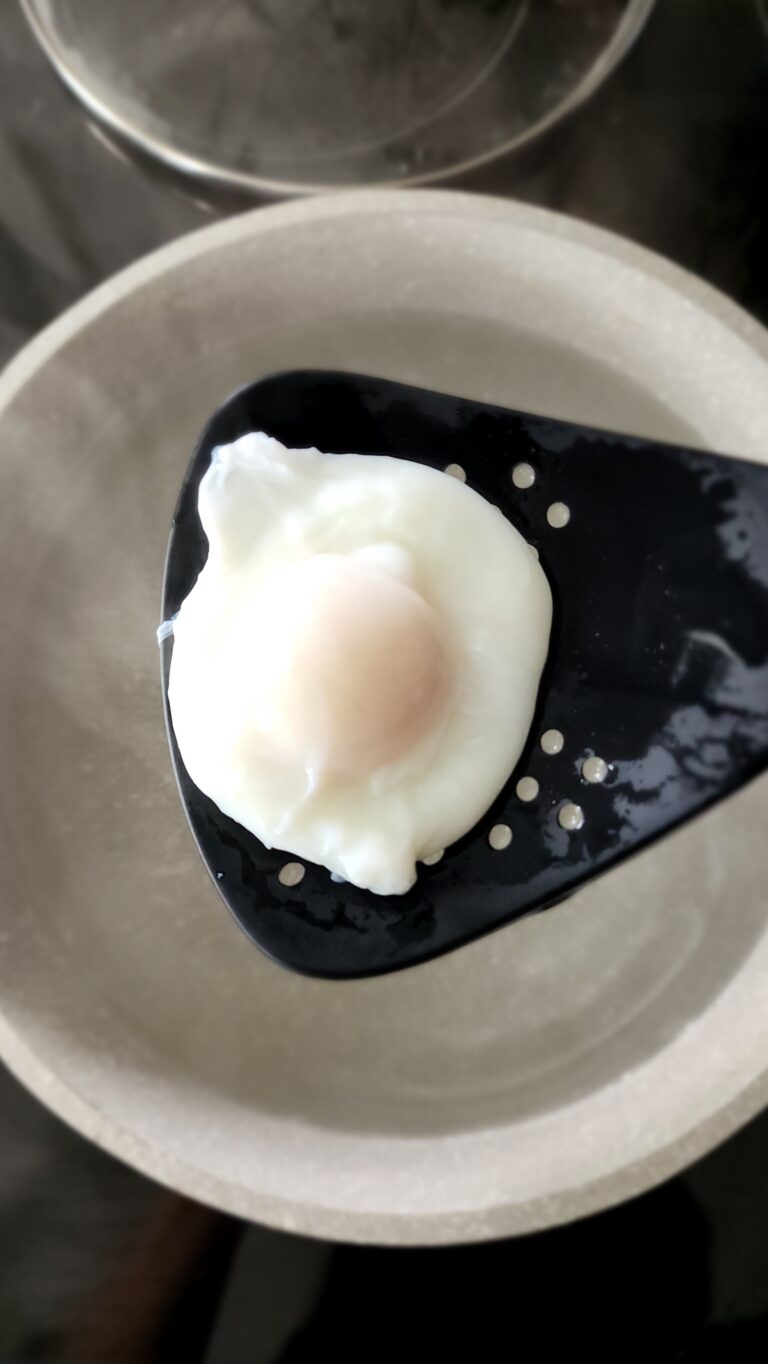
<point x="264" y="507"/>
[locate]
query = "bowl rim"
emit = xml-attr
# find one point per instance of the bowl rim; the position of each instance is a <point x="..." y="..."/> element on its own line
<point x="133" y="134"/>
<point x="310" y="1217"/>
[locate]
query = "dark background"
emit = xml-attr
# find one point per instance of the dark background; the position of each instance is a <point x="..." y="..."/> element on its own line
<point x="97" y="1264"/>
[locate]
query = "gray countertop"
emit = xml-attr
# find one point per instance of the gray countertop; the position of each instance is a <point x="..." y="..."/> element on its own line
<point x="97" y="1263"/>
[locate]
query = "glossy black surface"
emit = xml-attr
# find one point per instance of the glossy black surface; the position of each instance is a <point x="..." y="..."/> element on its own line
<point x="658" y="661"/>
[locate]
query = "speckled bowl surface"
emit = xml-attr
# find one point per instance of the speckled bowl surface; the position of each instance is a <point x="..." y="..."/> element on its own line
<point x="550" y="1069"/>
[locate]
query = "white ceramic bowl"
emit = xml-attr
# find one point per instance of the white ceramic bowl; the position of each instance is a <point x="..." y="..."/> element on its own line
<point x="555" y="1067"/>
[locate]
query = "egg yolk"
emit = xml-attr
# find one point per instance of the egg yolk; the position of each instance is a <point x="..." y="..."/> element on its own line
<point x="355" y="671"/>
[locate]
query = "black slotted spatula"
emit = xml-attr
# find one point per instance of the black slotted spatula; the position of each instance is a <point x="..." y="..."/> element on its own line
<point x="658" y="662"/>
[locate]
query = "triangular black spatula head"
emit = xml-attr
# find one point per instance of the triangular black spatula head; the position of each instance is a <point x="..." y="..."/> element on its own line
<point x="658" y="662"/>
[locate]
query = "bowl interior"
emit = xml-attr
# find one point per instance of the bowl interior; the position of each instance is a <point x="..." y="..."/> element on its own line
<point x="486" y="1091"/>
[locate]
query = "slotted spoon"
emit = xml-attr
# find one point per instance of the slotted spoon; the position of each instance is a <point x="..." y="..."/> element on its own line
<point x="656" y="680"/>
